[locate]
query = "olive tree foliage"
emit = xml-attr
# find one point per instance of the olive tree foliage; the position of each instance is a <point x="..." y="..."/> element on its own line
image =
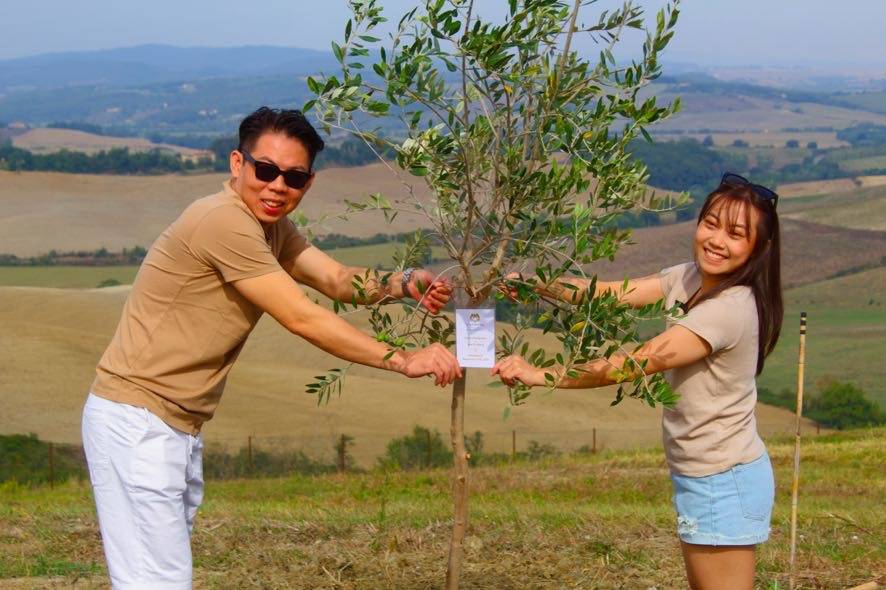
<point x="522" y="143"/>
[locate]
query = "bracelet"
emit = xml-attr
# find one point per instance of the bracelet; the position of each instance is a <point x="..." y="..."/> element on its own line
<point x="404" y="281"/>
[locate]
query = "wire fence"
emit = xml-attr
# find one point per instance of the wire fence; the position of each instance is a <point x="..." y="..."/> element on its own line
<point x="29" y="460"/>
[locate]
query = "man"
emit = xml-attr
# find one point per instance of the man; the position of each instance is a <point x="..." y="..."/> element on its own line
<point x="203" y="286"/>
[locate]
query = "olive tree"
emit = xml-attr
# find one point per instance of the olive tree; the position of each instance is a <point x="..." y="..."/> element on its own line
<point x="522" y="142"/>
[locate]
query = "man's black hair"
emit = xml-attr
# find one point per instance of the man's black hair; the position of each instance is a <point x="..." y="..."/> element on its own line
<point x="290" y="122"/>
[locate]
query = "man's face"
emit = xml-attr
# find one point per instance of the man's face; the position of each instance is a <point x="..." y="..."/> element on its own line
<point x="271" y="201"/>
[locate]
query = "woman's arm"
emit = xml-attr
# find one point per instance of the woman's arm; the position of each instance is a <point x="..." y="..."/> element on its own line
<point x="636" y="293"/>
<point x="675" y="347"/>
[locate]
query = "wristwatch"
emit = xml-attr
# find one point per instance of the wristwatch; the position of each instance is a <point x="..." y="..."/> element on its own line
<point x="404" y="281"/>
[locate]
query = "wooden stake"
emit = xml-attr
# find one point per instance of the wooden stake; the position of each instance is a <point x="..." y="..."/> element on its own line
<point x="513" y="444"/>
<point x="795" y="485"/>
<point x="594" y="448"/>
<point x="459" y="484"/>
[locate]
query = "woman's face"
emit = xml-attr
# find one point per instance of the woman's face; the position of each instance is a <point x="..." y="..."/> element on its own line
<point x="725" y="238"/>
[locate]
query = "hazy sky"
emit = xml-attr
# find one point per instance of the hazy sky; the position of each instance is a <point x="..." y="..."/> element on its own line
<point x="717" y="32"/>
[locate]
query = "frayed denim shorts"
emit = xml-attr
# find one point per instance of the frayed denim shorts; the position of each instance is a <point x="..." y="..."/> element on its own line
<point x="729" y="508"/>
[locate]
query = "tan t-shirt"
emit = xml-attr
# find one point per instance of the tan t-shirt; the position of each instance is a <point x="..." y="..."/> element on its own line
<point x="712" y="428"/>
<point x="184" y="324"/>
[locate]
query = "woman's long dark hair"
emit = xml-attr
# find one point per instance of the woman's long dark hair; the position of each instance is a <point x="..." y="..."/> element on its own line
<point x="762" y="270"/>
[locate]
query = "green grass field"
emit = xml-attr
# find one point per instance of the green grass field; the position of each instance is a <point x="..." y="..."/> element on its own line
<point x="863" y="208"/>
<point x="579" y="521"/>
<point x="862" y="164"/>
<point x="846" y="339"/>
<point x="65" y="277"/>
<point x="869" y="101"/>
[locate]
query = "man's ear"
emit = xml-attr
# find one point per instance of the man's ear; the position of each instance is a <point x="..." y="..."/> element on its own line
<point x="236" y="162"/>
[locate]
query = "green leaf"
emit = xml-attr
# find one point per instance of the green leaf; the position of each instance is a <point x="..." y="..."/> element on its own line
<point x="338" y="52"/>
<point x="377" y="107"/>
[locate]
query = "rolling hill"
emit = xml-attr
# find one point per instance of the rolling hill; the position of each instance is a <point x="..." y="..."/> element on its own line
<point x="846" y="338"/>
<point x="811" y="252"/>
<point x="81" y="211"/>
<point x="46" y="140"/>
<point x="863" y="208"/>
<point x="52" y="339"/>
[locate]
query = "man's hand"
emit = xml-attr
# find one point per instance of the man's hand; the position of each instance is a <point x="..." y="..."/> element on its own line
<point x="432" y="294"/>
<point x="506" y="285"/>
<point x="434" y="360"/>
<point x="515" y="368"/>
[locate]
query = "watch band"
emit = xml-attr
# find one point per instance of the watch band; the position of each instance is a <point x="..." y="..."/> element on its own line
<point x="404" y="281"/>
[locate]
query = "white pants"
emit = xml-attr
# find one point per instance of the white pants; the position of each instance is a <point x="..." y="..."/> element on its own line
<point x="147" y="478"/>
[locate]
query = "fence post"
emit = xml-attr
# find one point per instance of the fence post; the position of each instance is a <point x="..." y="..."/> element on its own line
<point x="428" y="456"/>
<point x="594" y="439"/>
<point x="513" y="444"/>
<point x="51" y="465"/>
<point x="249" y="453"/>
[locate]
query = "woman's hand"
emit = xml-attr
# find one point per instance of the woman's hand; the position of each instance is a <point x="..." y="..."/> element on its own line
<point x="515" y="368"/>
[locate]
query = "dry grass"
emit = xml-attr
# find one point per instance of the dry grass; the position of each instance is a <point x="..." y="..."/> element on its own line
<point x="44" y="141"/>
<point x="87" y="212"/>
<point x="602" y="521"/>
<point x="845" y="186"/>
<point x="52" y="339"/>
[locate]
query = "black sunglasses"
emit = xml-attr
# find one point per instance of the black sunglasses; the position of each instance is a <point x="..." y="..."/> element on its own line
<point x="761" y="191"/>
<point x="267" y="172"/>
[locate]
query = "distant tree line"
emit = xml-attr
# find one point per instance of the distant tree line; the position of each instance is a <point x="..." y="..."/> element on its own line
<point x="113" y="161"/>
<point x="695" y="167"/>
<point x="686" y="164"/>
<point x="100" y="257"/>
<point x="864" y="135"/>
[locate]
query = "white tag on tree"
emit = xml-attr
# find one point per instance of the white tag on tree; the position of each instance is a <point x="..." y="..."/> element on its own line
<point x="475" y="337"/>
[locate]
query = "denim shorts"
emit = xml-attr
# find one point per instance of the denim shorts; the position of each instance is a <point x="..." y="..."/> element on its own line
<point x="729" y="508"/>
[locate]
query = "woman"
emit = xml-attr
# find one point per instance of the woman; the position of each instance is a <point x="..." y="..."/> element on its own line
<point x="731" y="296"/>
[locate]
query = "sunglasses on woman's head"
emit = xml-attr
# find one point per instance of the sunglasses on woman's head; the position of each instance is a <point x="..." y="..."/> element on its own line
<point x="761" y="191"/>
<point x="267" y="172"/>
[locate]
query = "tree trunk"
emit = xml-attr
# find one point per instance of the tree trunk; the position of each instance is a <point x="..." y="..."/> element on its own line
<point x="459" y="484"/>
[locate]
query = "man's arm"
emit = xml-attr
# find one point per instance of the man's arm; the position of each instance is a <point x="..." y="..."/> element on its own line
<point x="277" y="294"/>
<point x="316" y="269"/>
<point x="675" y="347"/>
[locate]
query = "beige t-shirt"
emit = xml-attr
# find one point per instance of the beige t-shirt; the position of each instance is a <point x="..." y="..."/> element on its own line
<point x="712" y="428"/>
<point x="184" y="324"/>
